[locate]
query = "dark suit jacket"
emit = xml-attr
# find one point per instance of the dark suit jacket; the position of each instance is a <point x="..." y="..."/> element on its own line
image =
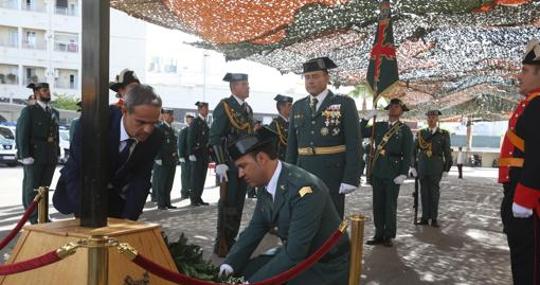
<point x="128" y="184"/>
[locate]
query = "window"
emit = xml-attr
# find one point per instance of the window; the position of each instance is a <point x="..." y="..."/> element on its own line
<point x="31" y="39"/>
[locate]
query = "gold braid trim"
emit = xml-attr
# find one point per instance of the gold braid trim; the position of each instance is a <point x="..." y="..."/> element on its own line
<point x="423" y="144"/>
<point x="234" y="121"/>
<point x="281" y="136"/>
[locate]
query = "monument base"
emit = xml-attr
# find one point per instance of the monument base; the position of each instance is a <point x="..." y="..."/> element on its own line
<point x="38" y="239"/>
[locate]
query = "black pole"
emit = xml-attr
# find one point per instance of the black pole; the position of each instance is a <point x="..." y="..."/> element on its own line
<point x="94" y="117"/>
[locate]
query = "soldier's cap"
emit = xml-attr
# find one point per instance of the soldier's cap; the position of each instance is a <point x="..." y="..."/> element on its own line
<point x="200" y="104"/>
<point x="320" y="63"/>
<point x="40" y="85"/>
<point x="532" y="53"/>
<point x="125" y="77"/>
<point x="283" y="98"/>
<point x="189" y="116"/>
<point x="249" y="143"/>
<point x="167" y="111"/>
<point x="231" y="77"/>
<point x="31" y="85"/>
<point x="433" y="113"/>
<point x="397" y="101"/>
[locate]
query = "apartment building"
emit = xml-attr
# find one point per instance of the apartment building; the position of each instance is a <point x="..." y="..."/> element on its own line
<point x="39" y="42"/>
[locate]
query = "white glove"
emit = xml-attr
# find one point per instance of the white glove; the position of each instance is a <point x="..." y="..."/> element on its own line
<point x="412" y="172"/>
<point x="520" y="211"/>
<point x="182" y="160"/>
<point x="400" y="179"/>
<point x="370" y="115"/>
<point x="27" y="161"/>
<point x="225" y="270"/>
<point x="192" y="158"/>
<point x="221" y="171"/>
<point x="158" y="162"/>
<point x="444" y="174"/>
<point x="345" y="188"/>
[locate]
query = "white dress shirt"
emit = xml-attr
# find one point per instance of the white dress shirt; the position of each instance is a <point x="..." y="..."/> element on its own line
<point x="319" y="97"/>
<point x="272" y="184"/>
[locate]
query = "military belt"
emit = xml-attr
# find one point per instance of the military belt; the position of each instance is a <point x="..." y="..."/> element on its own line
<point x="511" y="161"/>
<point x="322" y="150"/>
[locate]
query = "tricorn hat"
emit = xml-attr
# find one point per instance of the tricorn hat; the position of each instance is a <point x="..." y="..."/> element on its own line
<point x="249" y="143"/>
<point x="320" y="63"/>
<point x="397" y="101"/>
<point x="125" y="77"/>
<point x="532" y="53"/>
<point x="283" y="98"/>
<point x="433" y="113"/>
<point x="230" y="77"/>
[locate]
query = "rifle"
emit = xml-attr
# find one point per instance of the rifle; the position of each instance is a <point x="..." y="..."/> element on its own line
<point x="415" y="196"/>
<point x="222" y="246"/>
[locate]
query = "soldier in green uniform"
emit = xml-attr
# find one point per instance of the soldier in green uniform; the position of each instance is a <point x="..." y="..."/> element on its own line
<point x="433" y="157"/>
<point x="298" y="205"/>
<point x="280" y="124"/>
<point x="184" y="159"/>
<point x="197" y="150"/>
<point x="233" y="118"/>
<point x="37" y="130"/>
<point x="324" y="134"/>
<point x="165" y="162"/>
<point x="389" y="167"/>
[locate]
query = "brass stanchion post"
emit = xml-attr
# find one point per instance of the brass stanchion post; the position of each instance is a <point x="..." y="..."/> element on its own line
<point x="43" y="205"/>
<point x="357" y="248"/>
<point x="98" y="260"/>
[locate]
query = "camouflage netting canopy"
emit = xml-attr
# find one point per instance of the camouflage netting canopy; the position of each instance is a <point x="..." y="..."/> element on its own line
<point x="449" y="52"/>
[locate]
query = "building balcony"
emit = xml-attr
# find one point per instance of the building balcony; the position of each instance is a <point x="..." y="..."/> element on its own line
<point x="34" y="7"/>
<point x="67" y="11"/>
<point x="8" y="43"/>
<point x="41" y="45"/>
<point x="66" y="85"/>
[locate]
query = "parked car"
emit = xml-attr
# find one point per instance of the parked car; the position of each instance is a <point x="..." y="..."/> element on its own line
<point x="64" y="145"/>
<point x="8" y="150"/>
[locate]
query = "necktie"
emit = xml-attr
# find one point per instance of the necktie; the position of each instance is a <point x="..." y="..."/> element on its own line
<point x="245" y="108"/>
<point x="124" y="153"/>
<point x="313" y="105"/>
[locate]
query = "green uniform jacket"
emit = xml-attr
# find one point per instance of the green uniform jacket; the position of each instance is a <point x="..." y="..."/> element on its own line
<point x="37" y="135"/>
<point x="441" y="158"/>
<point x="223" y="132"/>
<point x="281" y="127"/>
<point x="304" y="221"/>
<point x="307" y="130"/>
<point x="197" y="138"/>
<point x="168" y="151"/>
<point x="182" y="143"/>
<point x="398" y="151"/>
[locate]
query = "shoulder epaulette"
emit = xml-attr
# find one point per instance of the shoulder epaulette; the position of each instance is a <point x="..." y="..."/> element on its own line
<point x="304" y="191"/>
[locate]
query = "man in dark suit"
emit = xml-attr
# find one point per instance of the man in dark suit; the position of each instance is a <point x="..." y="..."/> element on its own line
<point x="37" y="141"/>
<point x="280" y="124"/>
<point x="294" y="202"/>
<point x="197" y="150"/>
<point x="324" y="134"/>
<point x="132" y="147"/>
<point x="185" y="170"/>
<point x="165" y="162"/>
<point x="233" y="118"/>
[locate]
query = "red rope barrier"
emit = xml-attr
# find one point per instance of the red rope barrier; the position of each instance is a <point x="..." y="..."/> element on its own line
<point x="37" y="262"/>
<point x="19" y="225"/>
<point x="283" y="277"/>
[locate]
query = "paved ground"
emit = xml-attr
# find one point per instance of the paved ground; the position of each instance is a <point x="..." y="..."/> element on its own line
<point x="468" y="248"/>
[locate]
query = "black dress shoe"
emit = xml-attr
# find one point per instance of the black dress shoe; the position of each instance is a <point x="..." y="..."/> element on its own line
<point x="203" y="203"/>
<point x="434" y="223"/>
<point x="388" y="243"/>
<point x="423" y="222"/>
<point x="163" y="208"/>
<point x="374" y="241"/>
<point x="172" y="207"/>
<point x="195" y="204"/>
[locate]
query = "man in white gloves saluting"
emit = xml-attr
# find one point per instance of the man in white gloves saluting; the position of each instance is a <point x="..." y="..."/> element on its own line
<point x="389" y="166"/>
<point x="233" y="118"/>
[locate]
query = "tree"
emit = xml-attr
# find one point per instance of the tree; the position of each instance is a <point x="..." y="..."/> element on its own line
<point x="65" y="102"/>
